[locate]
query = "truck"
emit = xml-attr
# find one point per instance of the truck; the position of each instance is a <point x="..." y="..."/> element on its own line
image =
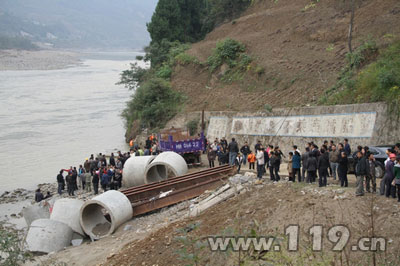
<point x="179" y="140"/>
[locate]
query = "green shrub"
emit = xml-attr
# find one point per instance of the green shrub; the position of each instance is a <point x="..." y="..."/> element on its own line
<point x="164" y="72"/>
<point x="153" y="104"/>
<point x="132" y="77"/>
<point x="139" y="57"/>
<point x="226" y="51"/>
<point x="192" y="126"/>
<point x="185" y="59"/>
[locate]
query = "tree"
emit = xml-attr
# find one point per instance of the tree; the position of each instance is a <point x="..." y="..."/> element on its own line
<point x="177" y="20"/>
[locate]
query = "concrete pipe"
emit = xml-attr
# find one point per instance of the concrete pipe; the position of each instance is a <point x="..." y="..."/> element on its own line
<point x="35" y="212"/>
<point x="103" y="214"/>
<point x="134" y="168"/>
<point x="158" y="169"/>
<point x="47" y="236"/>
<point x="68" y="211"/>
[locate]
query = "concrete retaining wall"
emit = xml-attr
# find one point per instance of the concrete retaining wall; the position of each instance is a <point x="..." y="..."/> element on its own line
<point x="362" y="124"/>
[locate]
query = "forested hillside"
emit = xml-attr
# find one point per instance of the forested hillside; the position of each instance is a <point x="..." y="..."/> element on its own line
<point x="255" y="55"/>
<point x="78" y="24"/>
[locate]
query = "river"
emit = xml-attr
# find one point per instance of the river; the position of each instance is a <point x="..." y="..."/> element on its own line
<point x="53" y="119"/>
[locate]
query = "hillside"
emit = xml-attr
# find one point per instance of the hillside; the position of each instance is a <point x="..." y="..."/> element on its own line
<point x="299" y="48"/>
<point x="78" y="24"/>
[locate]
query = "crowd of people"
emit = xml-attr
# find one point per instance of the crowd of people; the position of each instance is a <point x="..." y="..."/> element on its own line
<point x="313" y="164"/>
<point x="101" y="172"/>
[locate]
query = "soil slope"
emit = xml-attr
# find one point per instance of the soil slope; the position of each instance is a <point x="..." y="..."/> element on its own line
<point x="266" y="211"/>
<point x="301" y="49"/>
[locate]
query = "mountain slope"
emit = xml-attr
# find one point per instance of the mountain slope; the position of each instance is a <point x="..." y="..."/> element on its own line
<point x="301" y="49"/>
<point x="78" y="24"/>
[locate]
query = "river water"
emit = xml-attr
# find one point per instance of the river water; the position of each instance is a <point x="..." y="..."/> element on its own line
<point x="54" y="119"/>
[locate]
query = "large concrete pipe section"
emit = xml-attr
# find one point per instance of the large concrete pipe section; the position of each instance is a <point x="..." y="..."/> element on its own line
<point x="133" y="172"/>
<point x="103" y="214"/>
<point x="47" y="236"/>
<point x="68" y="211"/>
<point x="158" y="169"/>
<point x="35" y="212"/>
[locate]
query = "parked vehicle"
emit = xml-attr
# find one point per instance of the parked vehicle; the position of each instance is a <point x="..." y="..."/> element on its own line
<point x="380" y="155"/>
<point x="179" y="140"/>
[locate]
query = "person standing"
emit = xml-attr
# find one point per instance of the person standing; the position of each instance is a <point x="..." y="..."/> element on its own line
<point x="60" y="182"/>
<point x="88" y="181"/>
<point x="257" y="146"/>
<point x="371" y="175"/>
<point x="238" y="162"/>
<point x="304" y="158"/>
<point x="75" y="179"/>
<point x="81" y="176"/>
<point x="95" y="182"/>
<point x="277" y="164"/>
<point x="342" y="169"/>
<point x="86" y="165"/>
<point x="271" y="163"/>
<point x="334" y="160"/>
<point x="245" y="150"/>
<point x="211" y="154"/>
<point x="361" y="170"/>
<point x="347" y="148"/>
<point x="382" y="187"/>
<point x="224" y="143"/>
<point x="112" y="159"/>
<point x="323" y="165"/>
<point x="389" y="172"/>
<point x="290" y="167"/>
<point x="233" y="149"/>
<point x="260" y="163"/>
<point x="296" y="165"/>
<point x="251" y="159"/>
<point x="70" y="184"/>
<point x="312" y="165"/>
<point x="397" y="177"/>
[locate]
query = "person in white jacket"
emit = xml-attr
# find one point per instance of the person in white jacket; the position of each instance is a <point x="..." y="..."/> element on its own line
<point x="260" y="162"/>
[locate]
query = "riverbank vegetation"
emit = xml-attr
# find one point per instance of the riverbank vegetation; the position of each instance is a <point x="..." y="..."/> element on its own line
<point x="371" y="75"/>
<point x="174" y="25"/>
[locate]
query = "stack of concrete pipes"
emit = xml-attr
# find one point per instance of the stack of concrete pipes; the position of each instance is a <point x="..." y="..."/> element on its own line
<point x="100" y="216"/>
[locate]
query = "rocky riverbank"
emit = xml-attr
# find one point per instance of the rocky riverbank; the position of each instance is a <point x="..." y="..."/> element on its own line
<point x="37" y="60"/>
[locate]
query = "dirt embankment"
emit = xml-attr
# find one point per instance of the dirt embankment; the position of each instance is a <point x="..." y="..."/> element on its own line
<point x="302" y="51"/>
<point x="266" y="210"/>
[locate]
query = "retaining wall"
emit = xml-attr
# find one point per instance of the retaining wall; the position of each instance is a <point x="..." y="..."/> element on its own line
<point x="362" y="124"/>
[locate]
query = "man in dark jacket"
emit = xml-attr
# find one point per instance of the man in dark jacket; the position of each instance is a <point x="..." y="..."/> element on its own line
<point x="233" y="151"/>
<point x="389" y="174"/>
<point x="38" y="195"/>
<point x="60" y="182"/>
<point x="361" y="167"/>
<point x="70" y="184"/>
<point x="312" y="165"/>
<point x="112" y="159"/>
<point x="323" y="165"/>
<point x="347" y="148"/>
<point x="245" y="150"/>
<point x="95" y="181"/>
